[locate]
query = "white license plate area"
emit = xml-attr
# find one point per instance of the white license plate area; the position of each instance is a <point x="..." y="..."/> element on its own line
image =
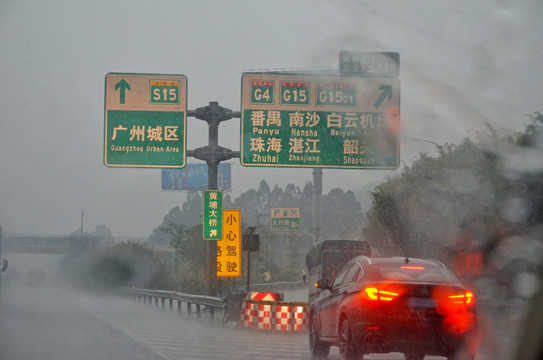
<point x="421" y="303"/>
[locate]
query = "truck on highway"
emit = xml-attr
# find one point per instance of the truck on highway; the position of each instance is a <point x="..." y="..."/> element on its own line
<point x="325" y="258"/>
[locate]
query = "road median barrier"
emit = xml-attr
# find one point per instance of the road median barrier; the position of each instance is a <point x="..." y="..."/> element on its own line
<point x="274" y="315"/>
<point x="266" y="296"/>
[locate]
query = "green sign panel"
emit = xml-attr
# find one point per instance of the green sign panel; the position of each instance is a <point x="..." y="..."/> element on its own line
<point x="369" y="63"/>
<point x="285" y="219"/>
<point x="137" y="139"/>
<point x="145" y="120"/>
<point x="320" y="121"/>
<point x="212" y="215"/>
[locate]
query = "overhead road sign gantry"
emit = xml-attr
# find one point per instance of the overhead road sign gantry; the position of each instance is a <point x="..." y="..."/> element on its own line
<point x="145" y="120"/>
<point x="326" y="121"/>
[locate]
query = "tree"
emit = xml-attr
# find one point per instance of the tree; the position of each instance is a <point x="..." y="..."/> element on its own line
<point x="107" y="268"/>
<point x="342" y="213"/>
<point x="159" y="235"/>
<point x="471" y="187"/>
<point x="529" y="186"/>
<point x="178" y="240"/>
<point x="187" y="243"/>
<point x="102" y="231"/>
<point x="189" y="216"/>
<point x="342" y="216"/>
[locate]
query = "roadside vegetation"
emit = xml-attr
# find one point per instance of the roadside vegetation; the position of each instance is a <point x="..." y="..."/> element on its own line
<point x="489" y="185"/>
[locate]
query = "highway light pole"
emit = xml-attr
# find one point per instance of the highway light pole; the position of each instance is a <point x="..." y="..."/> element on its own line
<point x="213" y="154"/>
<point x="82" y="213"/>
<point x="439" y="147"/>
<point x="317" y="205"/>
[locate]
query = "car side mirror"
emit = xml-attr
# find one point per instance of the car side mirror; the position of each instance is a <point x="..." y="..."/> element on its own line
<point x="4" y="265"/>
<point x="323" y="284"/>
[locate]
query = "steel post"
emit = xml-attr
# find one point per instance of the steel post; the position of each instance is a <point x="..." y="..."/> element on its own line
<point x="213" y="154"/>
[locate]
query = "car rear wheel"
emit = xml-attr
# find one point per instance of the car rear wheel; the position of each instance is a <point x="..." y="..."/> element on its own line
<point x="318" y="349"/>
<point x="347" y="350"/>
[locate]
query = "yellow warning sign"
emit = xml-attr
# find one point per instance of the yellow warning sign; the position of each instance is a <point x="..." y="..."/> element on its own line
<point x="229" y="247"/>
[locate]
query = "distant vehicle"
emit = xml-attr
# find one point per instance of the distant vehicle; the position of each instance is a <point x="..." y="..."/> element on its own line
<point x="4" y="261"/>
<point x="35" y="276"/>
<point x="381" y="305"/>
<point x="11" y="277"/>
<point x="4" y="266"/>
<point x="325" y="258"/>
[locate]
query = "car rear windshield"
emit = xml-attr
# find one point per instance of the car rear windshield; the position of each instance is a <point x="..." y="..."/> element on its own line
<point x="415" y="273"/>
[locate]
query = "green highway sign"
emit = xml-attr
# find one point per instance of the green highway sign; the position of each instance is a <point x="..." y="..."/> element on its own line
<point x="369" y="63"/>
<point x="285" y="219"/>
<point x="328" y="121"/>
<point x="212" y="215"/>
<point x="145" y="120"/>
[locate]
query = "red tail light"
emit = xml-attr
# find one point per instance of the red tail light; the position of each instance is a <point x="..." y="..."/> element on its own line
<point x="465" y="299"/>
<point x="446" y="296"/>
<point x="375" y="294"/>
<point x="412" y="267"/>
<point x="456" y="309"/>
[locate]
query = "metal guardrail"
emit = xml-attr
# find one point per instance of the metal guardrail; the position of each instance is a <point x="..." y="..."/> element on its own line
<point x="210" y="303"/>
<point x="277" y="286"/>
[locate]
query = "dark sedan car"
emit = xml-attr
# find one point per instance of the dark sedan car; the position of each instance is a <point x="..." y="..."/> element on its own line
<point x="380" y="305"/>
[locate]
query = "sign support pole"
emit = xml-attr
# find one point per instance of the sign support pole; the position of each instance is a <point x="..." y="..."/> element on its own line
<point x="213" y="154"/>
<point x="249" y="247"/>
<point x="317" y="205"/>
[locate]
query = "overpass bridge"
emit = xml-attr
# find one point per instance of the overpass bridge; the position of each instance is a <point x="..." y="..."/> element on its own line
<point x="51" y="244"/>
<point x="37" y="244"/>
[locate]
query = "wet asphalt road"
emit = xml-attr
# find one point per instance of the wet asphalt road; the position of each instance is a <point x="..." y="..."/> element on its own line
<point x="40" y="323"/>
<point x="37" y="324"/>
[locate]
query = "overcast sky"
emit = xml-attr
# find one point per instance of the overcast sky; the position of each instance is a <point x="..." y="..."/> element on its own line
<point x="463" y="63"/>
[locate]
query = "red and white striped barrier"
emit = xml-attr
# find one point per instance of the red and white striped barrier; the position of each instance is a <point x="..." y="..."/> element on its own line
<point x="247" y="317"/>
<point x="283" y="318"/>
<point x="274" y="315"/>
<point x="300" y="317"/>
<point x="262" y="319"/>
<point x="265" y="296"/>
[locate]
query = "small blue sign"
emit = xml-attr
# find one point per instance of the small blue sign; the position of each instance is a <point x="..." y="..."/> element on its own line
<point x="193" y="177"/>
